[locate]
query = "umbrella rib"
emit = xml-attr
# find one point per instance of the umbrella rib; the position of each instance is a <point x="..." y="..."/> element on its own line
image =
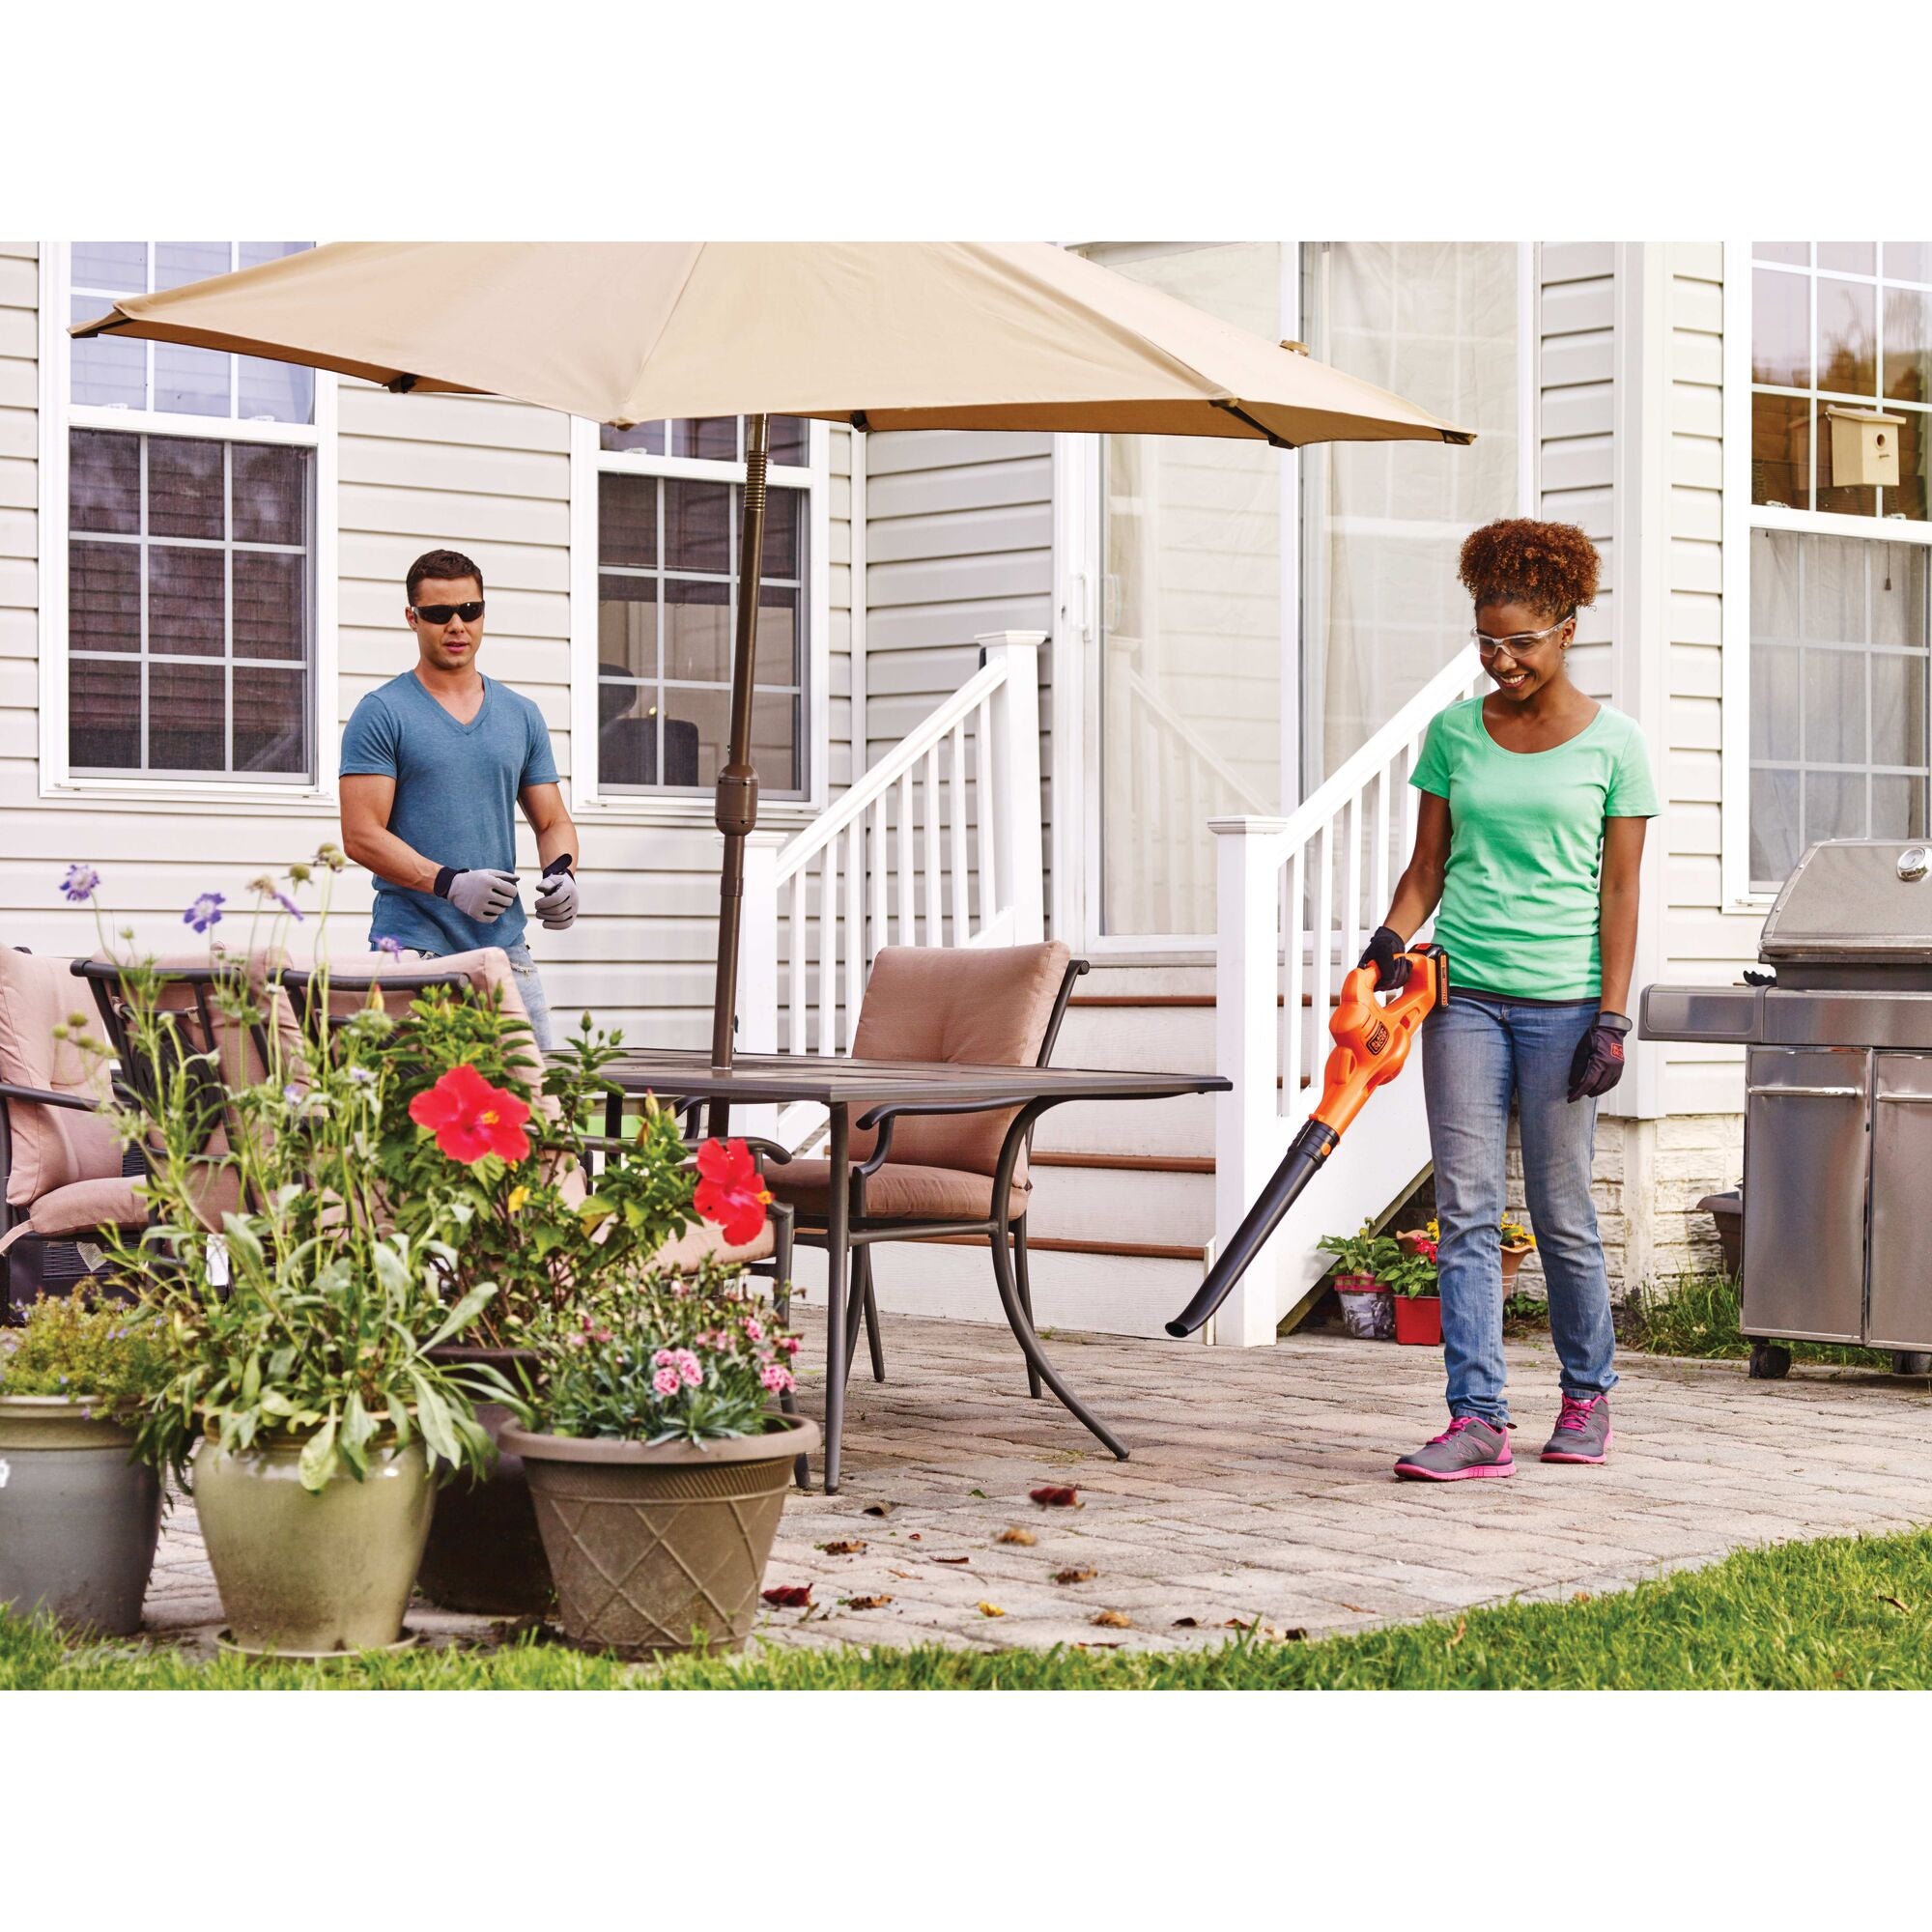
<point x="669" y="313"/>
<point x="1259" y="428"/>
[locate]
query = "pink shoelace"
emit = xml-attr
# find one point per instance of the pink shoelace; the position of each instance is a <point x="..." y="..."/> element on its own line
<point x="1575" y="1412"/>
<point x="1454" y="1429"/>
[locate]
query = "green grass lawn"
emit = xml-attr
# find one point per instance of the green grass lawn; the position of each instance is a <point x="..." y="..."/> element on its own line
<point x="1850" y="1613"/>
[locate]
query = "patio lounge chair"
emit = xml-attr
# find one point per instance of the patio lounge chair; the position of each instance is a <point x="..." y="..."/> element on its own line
<point x="63" y="1170"/>
<point x="920" y="1169"/>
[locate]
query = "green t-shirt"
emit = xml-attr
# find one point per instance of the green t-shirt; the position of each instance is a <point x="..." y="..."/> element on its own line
<point x="1520" y="909"/>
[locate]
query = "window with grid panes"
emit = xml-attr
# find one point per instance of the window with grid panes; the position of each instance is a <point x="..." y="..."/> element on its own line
<point x="667" y="522"/>
<point x="190" y="542"/>
<point x="1839" y="745"/>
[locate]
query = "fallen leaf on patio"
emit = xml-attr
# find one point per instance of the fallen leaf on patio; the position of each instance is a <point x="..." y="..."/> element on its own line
<point x="981" y="1493"/>
<point x="908" y="1574"/>
<point x="1052" y="1495"/>
<point x="790" y="1597"/>
<point x="1462" y="1626"/>
<point x="1074" y="1576"/>
<point x="1360" y="1610"/>
<point x="1025" y="1538"/>
<point x="1894" y="1602"/>
<point x="953" y="1559"/>
<point x="991" y="1610"/>
<point x="1296" y="1634"/>
<point x="878" y="1509"/>
<point x="1579" y="1597"/>
<point x="915" y="1536"/>
<point x="1100" y="1646"/>
<point x="1187" y="1623"/>
<point x="846" y="1547"/>
<point x="1236" y="1624"/>
<point x="1114" y="1620"/>
<point x="867" y="1603"/>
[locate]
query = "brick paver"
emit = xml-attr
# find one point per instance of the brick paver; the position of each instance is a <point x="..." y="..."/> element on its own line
<point x="1259" y="1488"/>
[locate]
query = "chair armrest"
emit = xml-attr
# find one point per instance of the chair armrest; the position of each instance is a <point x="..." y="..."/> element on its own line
<point x="43" y="1097"/>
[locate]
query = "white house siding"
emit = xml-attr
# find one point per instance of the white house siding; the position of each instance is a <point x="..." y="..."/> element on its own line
<point x="485" y="476"/>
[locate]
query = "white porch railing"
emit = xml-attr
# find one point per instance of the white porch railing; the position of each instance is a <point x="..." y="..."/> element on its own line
<point x="1298" y="897"/>
<point x="937" y="844"/>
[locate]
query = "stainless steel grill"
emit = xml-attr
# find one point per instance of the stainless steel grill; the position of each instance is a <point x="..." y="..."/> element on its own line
<point x="1837" y="1045"/>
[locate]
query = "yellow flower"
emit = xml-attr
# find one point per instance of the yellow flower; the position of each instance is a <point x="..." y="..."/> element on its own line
<point x="519" y="1197"/>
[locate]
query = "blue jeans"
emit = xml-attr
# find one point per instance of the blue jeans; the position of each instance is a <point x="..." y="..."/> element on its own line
<point x="529" y="987"/>
<point x="1476" y="1055"/>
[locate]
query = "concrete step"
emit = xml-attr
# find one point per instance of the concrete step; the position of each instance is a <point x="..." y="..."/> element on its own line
<point x="1146" y="1204"/>
<point x="1157" y="1039"/>
<point x="1184" y="1125"/>
<point x="1105" y="1294"/>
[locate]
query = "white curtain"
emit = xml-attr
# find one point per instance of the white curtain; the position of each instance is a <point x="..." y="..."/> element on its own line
<point x="1382" y="523"/>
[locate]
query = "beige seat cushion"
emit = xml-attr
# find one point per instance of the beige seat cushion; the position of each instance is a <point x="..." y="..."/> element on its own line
<point x="979" y="1005"/>
<point x="705" y="1241"/>
<point x="52" y="1147"/>
<point x="900" y="1190"/>
<point x="83" y="1207"/>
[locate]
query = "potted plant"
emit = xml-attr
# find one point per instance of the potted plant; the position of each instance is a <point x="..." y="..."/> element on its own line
<point x="301" y="1400"/>
<point x="1418" y="1305"/>
<point x="658" y="1466"/>
<point x="78" y="1519"/>
<point x="535" y="1224"/>
<point x="1363" y="1263"/>
<point x="1518" y="1241"/>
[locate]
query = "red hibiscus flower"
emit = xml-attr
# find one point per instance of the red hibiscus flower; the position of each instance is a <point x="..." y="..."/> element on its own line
<point x="470" y="1117"/>
<point x="729" y="1191"/>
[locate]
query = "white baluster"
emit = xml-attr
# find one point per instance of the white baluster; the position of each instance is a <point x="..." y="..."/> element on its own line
<point x="882" y="932"/>
<point x="1381" y="875"/>
<point x="962" y="881"/>
<point x="989" y="842"/>
<point x="795" y="961"/>
<point x="908" y="895"/>
<point x="828" y="950"/>
<point x="1351" y="909"/>
<point x="854" y="926"/>
<point x="1324" y="930"/>
<point x="1294" y="935"/>
<point x="935" y="895"/>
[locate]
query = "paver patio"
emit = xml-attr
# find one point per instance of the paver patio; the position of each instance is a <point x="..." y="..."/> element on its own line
<point x="1260" y="1488"/>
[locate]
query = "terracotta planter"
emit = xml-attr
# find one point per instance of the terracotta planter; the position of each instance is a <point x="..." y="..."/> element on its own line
<point x="484" y="1553"/>
<point x="77" y="1521"/>
<point x="1368" y="1308"/>
<point x="312" y="1574"/>
<point x="1418" y="1321"/>
<point x="660" y="1549"/>
<point x="1512" y="1260"/>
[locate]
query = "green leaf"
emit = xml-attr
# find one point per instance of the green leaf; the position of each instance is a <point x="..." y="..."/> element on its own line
<point x="463" y="1314"/>
<point x="319" y="1459"/>
<point x="390" y="1269"/>
<point x="251" y="1380"/>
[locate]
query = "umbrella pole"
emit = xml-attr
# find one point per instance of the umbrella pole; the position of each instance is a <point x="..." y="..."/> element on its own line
<point x="737" y="812"/>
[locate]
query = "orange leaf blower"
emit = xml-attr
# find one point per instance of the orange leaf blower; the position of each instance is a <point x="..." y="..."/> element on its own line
<point x="1370" y="1043"/>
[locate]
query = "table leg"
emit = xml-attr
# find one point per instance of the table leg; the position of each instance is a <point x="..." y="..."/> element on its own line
<point x="838" y="1253"/>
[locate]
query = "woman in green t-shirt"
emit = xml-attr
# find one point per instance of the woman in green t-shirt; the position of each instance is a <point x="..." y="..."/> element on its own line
<point x="1528" y="840"/>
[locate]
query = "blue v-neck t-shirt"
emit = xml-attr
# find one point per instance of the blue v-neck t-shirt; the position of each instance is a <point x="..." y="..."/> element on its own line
<point x="456" y="799"/>
<point x="1520" y="906"/>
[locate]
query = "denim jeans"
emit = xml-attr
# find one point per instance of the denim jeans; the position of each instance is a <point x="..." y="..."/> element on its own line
<point x="530" y="986"/>
<point x="1476" y="1055"/>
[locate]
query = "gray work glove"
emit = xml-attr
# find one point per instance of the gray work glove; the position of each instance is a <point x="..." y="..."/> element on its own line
<point x="482" y="896"/>
<point x="556" y="895"/>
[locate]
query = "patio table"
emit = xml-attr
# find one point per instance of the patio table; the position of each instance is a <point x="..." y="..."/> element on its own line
<point x="862" y="1093"/>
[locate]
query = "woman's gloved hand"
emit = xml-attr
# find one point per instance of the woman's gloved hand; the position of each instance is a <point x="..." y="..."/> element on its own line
<point x="1384" y="953"/>
<point x="1599" y="1061"/>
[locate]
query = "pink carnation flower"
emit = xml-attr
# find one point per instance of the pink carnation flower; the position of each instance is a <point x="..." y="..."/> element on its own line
<point x="664" y="1359"/>
<point x="791" y="1345"/>
<point x="689" y="1368"/>
<point x="754" y="1330"/>
<point x="665" y="1381"/>
<point x="777" y="1379"/>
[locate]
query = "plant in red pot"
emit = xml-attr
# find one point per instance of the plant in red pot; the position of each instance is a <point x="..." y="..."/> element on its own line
<point x="1363" y="1261"/>
<point x="1413" y="1282"/>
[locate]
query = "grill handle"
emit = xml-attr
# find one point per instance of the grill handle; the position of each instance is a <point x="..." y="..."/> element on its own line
<point x="1824" y="1092"/>
<point x="1907" y="1100"/>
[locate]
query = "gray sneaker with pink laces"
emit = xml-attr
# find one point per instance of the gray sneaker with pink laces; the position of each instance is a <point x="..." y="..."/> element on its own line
<point x="1469" y="1447"/>
<point x="1583" y="1432"/>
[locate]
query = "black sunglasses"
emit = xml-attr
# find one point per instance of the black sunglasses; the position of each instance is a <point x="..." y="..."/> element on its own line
<point x="441" y="614"/>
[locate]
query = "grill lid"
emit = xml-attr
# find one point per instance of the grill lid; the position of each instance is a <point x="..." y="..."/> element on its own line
<point x="1853" y="899"/>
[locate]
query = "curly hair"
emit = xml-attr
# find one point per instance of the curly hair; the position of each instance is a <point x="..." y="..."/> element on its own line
<point x="1549" y="567"/>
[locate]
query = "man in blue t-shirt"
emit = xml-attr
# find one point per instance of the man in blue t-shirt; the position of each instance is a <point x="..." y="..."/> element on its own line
<point x="434" y="763"/>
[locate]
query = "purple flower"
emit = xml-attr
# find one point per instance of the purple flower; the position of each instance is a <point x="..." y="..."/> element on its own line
<point x="392" y="947"/>
<point x="81" y="884"/>
<point x="288" y="905"/>
<point x="205" y="912"/>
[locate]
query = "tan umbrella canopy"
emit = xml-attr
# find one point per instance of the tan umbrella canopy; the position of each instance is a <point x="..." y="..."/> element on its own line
<point x="883" y="335"/>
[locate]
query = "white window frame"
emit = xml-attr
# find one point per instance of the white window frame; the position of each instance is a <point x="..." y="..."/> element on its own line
<point x="58" y="414"/>
<point x="1076" y="546"/>
<point x="1741" y="516"/>
<point x="587" y="462"/>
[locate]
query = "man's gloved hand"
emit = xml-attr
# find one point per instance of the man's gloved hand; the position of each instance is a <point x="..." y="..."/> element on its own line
<point x="1384" y="953"/>
<point x="556" y="894"/>
<point x="1599" y="1062"/>
<point x="482" y="896"/>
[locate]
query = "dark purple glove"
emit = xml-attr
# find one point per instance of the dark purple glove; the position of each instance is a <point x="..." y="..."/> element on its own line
<point x="1385" y="954"/>
<point x="1599" y="1062"/>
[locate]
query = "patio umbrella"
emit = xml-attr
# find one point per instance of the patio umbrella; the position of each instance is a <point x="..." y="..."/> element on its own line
<point x="882" y="335"/>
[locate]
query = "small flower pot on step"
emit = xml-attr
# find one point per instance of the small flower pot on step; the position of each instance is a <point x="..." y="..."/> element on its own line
<point x="660" y="1546"/>
<point x="1368" y="1308"/>
<point x="77" y="1521"/>
<point x="1513" y="1259"/>
<point x="1418" y="1321"/>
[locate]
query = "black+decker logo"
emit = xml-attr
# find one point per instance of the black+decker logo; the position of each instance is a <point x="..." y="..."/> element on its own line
<point x="1378" y="1038"/>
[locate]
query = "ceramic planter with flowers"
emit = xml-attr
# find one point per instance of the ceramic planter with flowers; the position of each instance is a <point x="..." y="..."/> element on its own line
<point x="302" y="1402"/>
<point x="1518" y="1242"/>
<point x="78" y="1516"/>
<point x="658" y="1465"/>
<point x="1363" y="1263"/>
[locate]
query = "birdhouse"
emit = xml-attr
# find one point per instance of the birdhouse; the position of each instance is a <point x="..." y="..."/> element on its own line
<point x="1865" y="446"/>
